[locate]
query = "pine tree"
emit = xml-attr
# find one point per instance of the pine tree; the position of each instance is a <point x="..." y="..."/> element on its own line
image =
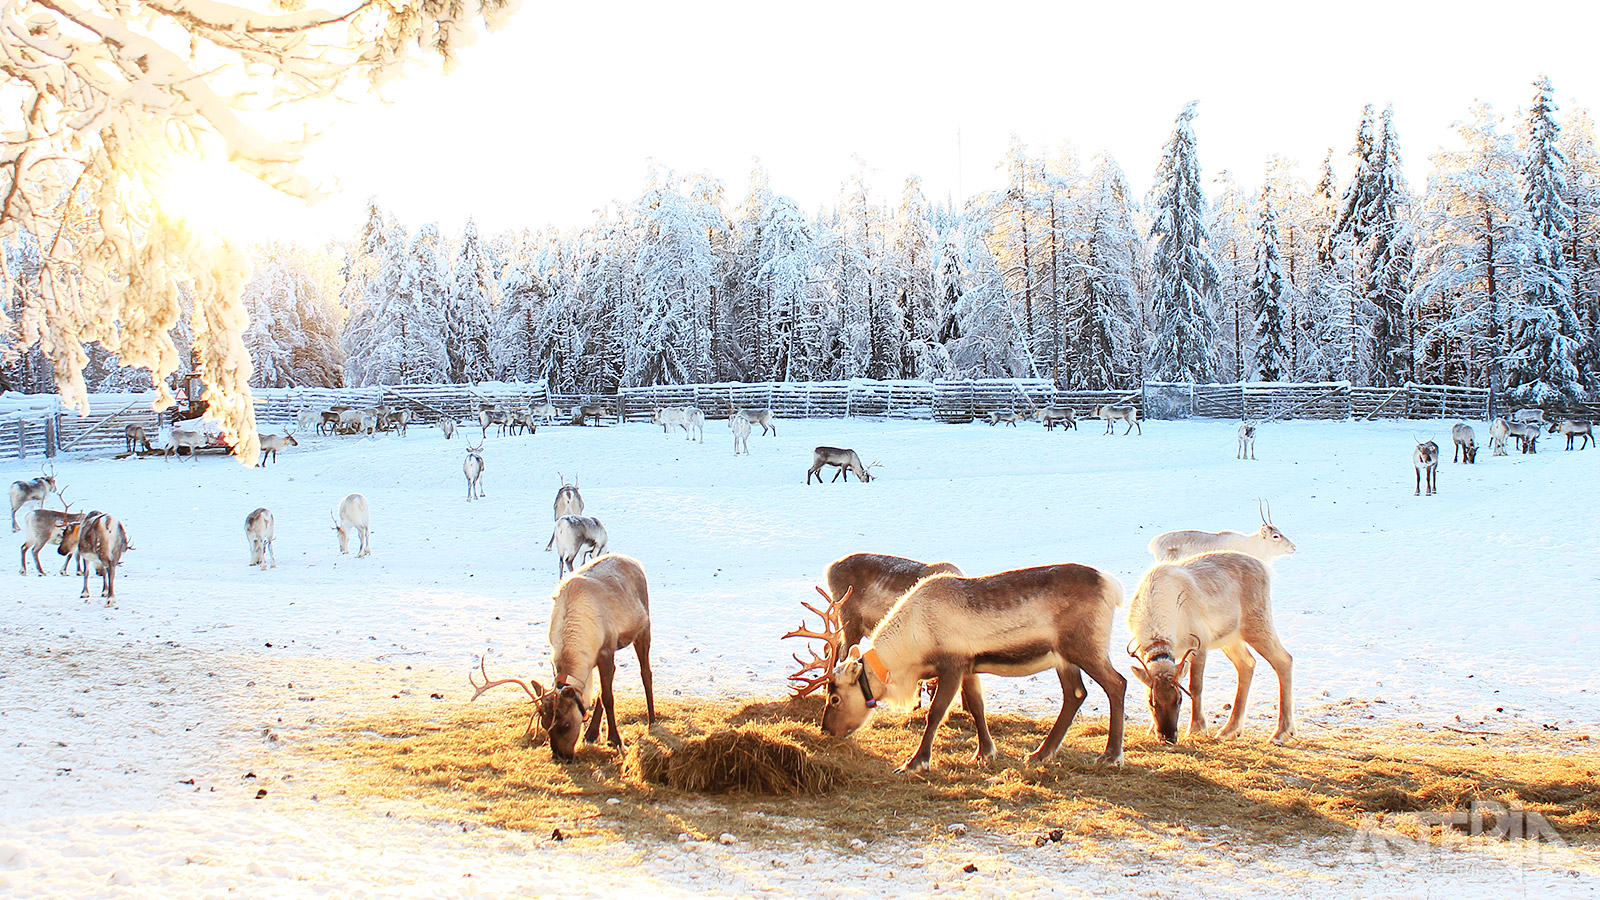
<point x="1269" y="290"/>
<point x="1186" y="340"/>
<point x="1386" y="264"/>
<point x="1100" y="315"/>
<point x="468" y="311"/>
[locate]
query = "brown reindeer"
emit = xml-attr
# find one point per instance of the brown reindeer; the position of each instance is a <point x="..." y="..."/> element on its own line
<point x="599" y="610"/>
<point x="44" y="527"/>
<point x="1010" y="623"/>
<point x="1183" y="609"/>
<point x="846" y="461"/>
<point x="101" y="540"/>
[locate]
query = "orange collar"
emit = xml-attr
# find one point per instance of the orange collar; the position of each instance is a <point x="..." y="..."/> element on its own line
<point x="878" y="668"/>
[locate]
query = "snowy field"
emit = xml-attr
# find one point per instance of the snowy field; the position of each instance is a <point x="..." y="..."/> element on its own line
<point x="126" y="733"/>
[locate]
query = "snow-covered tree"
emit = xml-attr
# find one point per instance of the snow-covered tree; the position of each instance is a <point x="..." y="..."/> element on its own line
<point x="1269" y="290"/>
<point x="1185" y="344"/>
<point x="468" y="310"/>
<point x="295" y="318"/>
<point x="1101" y="314"/>
<point x="677" y="272"/>
<point x="397" y="334"/>
<point x="1386" y="264"/>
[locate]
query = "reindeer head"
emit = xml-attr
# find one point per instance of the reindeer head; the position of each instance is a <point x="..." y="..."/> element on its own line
<point x="561" y="715"/>
<point x="1163" y="675"/>
<point x="1277" y="542"/>
<point x="846" y="709"/>
<point x="289" y="439"/>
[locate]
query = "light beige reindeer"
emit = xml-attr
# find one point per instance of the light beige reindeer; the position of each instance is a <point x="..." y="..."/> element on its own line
<point x="258" y="529"/>
<point x="598" y="610"/>
<point x="351" y="517"/>
<point x="1267" y="544"/>
<point x="1247" y="441"/>
<point x="31" y="491"/>
<point x="1183" y="609"/>
<point x="1010" y="623"/>
<point x="741" y="433"/>
<point x="43" y="527"/>
<point x="1113" y="414"/>
<point x="473" y="467"/>
<point x="577" y="538"/>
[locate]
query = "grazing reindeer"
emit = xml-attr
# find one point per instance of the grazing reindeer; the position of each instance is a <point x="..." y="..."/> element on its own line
<point x="741" y="433"/>
<point x="1052" y="416"/>
<point x="32" y="490"/>
<point x="1009" y="416"/>
<point x="1247" y="441"/>
<point x="136" y="437"/>
<point x="1527" y="435"/>
<point x="575" y="536"/>
<point x="1499" y="430"/>
<point x="568" y="501"/>
<point x="473" y="467"/>
<point x="846" y="461"/>
<point x="1466" y="443"/>
<point x="1267" y="544"/>
<point x="101" y="540"/>
<point x="1426" y="460"/>
<point x="351" y="517"/>
<point x="1112" y="414"/>
<point x="1011" y="623"/>
<point x="258" y="529"/>
<point x="1183" y="609"/>
<point x="762" y="417"/>
<point x="272" y="443"/>
<point x="1574" y="428"/>
<point x="598" y="610"/>
<point x="874" y="583"/>
<point x="44" y="527"/>
<point x="448" y="426"/>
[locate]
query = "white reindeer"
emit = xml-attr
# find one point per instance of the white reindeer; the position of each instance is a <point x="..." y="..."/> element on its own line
<point x="741" y="433"/>
<point x="272" y="443"/>
<point x="1466" y="443"/>
<point x="1113" y="414"/>
<point x="1426" y="461"/>
<point x="351" y="517"/>
<point x="1266" y="544"/>
<point x="545" y="412"/>
<point x="1180" y="611"/>
<point x="598" y="610"/>
<point x="762" y="417"/>
<point x="690" y="418"/>
<point x="1247" y="441"/>
<point x="1499" y="430"/>
<point x="258" y="529"/>
<point x="308" y="420"/>
<point x="1011" y="623"/>
<point x="31" y="491"/>
<point x="180" y="439"/>
<point x="577" y="538"/>
<point x="473" y="467"/>
<point x="448" y="426"/>
<point x="1529" y="414"/>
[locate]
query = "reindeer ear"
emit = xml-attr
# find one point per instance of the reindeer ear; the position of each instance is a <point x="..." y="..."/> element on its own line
<point x="854" y="655"/>
<point x="1142" y="675"/>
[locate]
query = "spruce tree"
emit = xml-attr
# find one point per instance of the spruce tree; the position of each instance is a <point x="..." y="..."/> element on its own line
<point x="1185" y="276"/>
<point x="1268" y="294"/>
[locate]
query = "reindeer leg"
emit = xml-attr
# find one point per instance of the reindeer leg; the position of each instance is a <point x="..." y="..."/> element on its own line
<point x="1116" y="688"/>
<point x="972" y="702"/>
<point x="1272" y="650"/>
<point x="950" y="682"/>
<point x="1197" y="676"/>
<point x="641" y="648"/>
<point x="608" y="670"/>
<point x="1245" y="665"/>
<point x="1072" y="694"/>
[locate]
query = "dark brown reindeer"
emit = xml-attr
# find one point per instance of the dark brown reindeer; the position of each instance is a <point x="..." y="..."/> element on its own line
<point x="599" y="610"/>
<point x="1010" y="623"/>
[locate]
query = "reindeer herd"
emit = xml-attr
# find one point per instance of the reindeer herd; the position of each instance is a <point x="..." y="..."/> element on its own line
<point x="94" y="540"/>
<point x="1525" y="427"/>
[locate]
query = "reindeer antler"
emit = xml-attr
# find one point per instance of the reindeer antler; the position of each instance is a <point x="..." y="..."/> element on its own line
<point x="536" y="695"/>
<point x="62" y="496"/>
<point x="832" y="637"/>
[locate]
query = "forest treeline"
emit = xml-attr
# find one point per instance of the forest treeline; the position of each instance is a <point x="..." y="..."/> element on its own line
<point x="1489" y="275"/>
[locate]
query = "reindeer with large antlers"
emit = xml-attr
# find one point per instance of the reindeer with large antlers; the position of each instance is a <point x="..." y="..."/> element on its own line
<point x="35" y="489"/>
<point x="44" y="527"/>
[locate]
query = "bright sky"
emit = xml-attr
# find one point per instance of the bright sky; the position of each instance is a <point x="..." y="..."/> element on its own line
<point x="559" y="114"/>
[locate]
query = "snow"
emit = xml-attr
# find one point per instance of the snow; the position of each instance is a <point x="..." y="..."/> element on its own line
<point x="1474" y="606"/>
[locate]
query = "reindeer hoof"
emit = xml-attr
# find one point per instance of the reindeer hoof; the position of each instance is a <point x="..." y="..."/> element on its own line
<point x="1283" y="737"/>
<point x="914" y="764"/>
<point x="1110" y="759"/>
<point x="1038" y="758"/>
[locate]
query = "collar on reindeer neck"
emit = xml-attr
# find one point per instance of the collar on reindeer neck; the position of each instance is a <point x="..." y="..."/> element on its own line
<point x="871" y="659"/>
<point x="567" y="681"/>
<point x="1157" y="650"/>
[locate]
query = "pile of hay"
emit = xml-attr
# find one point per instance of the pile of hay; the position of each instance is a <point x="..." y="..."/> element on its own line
<point x="750" y="759"/>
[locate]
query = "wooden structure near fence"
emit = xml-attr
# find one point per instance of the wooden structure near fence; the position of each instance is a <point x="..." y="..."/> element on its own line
<point x="41" y="429"/>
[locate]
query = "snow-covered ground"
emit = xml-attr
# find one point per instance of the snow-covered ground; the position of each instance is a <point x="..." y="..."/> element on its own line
<point x="1473" y="608"/>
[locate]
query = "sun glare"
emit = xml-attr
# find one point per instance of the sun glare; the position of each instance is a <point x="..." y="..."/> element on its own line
<point x="217" y="197"/>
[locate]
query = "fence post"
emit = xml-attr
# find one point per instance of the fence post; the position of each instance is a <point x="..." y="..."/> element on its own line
<point x="52" y="435"/>
<point x="22" y="439"/>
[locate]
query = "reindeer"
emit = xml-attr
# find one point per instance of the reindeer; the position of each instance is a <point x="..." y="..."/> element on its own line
<point x="101" y="540"/>
<point x="351" y="517"/>
<point x="1183" y="609"/>
<point x="1247" y="441"/>
<point x="598" y="610"/>
<point x="1009" y="416"/>
<point x="486" y="417"/>
<point x="1529" y="414"/>
<point x="574" y="537"/>
<point x="1426" y="460"/>
<point x="1011" y="623"/>
<point x="582" y="414"/>
<point x="693" y="424"/>
<point x="1266" y="544"/>
<point x="845" y="460"/>
<point x="1052" y="416"/>
<point x="1112" y="414"/>
<point x="180" y="439"/>
<point x="32" y="490"/>
<point x="762" y="417"/>
<point x="1574" y="428"/>
<point x="258" y="529"/>
<point x="44" y="527"/>
<point x="867" y="586"/>
<point x="328" y="422"/>
<point x="1466" y="443"/>
<point x="136" y="437"/>
<point x="448" y="426"/>
<point x="1527" y="435"/>
<point x="473" y="467"/>
<point x="1499" y="430"/>
<point x="741" y="433"/>
<point x="272" y="443"/>
<point x="568" y="501"/>
<point x="308" y="420"/>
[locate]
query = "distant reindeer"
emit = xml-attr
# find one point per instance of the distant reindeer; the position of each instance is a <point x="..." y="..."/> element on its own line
<point x="30" y="491"/>
<point x="1052" y="416"/>
<point x="546" y="413"/>
<point x="351" y="517"/>
<point x="569" y="502"/>
<point x="599" y="610"/>
<point x="577" y="538"/>
<point x="1180" y="611"/>
<point x="473" y="467"/>
<point x="1575" y="428"/>
<point x="328" y="422"/>
<point x="1113" y="414"/>
<point x="136" y="437"/>
<point x="762" y="417"/>
<point x="1426" y="460"/>
<point x="1009" y="416"/>
<point x="582" y="414"/>
<point x="486" y="417"/>
<point x="1499" y="430"/>
<point x="258" y="529"/>
<point x="272" y="443"/>
<point x="181" y="439"/>
<point x="1527" y="435"/>
<point x="1529" y="414"/>
<point x="1466" y="443"/>
<point x="98" y="542"/>
<point x="845" y="460"/>
<point x="308" y="420"/>
<point x="1011" y="623"/>
<point x="1247" y="441"/>
<point x="448" y="426"/>
<point x="1267" y="544"/>
<point x="741" y="433"/>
